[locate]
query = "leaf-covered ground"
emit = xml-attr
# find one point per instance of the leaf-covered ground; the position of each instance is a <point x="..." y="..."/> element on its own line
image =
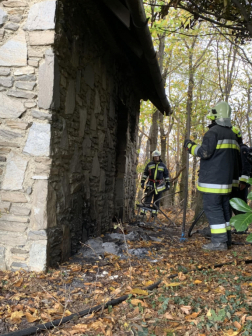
<point x="212" y="301"/>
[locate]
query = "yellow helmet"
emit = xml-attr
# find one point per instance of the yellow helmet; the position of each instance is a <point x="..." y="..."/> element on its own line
<point x="156" y="153"/>
<point x="221" y="113"/>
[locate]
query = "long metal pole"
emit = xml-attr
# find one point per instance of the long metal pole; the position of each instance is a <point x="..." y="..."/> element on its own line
<point x="186" y="197"/>
<point x="186" y="179"/>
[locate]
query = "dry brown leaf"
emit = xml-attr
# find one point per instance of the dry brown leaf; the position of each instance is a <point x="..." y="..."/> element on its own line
<point x="237" y="325"/>
<point x="209" y="313"/>
<point x="19" y="282"/>
<point x="97" y="325"/>
<point x="186" y="309"/>
<point x="239" y="313"/>
<point x="31" y="318"/>
<point x="192" y="316"/>
<point x="45" y="317"/>
<point x="116" y="291"/>
<point x="16" y="316"/>
<point x="73" y="332"/>
<point x="249" y="318"/>
<point x="135" y="302"/>
<point x="139" y="291"/>
<point x="136" y="311"/>
<point x="172" y="284"/>
<point x="57" y="309"/>
<point x="109" y="332"/>
<point x="80" y="326"/>
<point x="243" y="319"/>
<point x="32" y="309"/>
<point x="181" y="276"/>
<point x="231" y="332"/>
<point x="197" y="282"/>
<point x="148" y="283"/>
<point x="168" y="316"/>
<point x="76" y="268"/>
<point x="67" y="313"/>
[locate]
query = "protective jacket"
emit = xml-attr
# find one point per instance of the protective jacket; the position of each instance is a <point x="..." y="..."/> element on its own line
<point x="245" y="168"/>
<point x="219" y="164"/>
<point x="156" y="172"/>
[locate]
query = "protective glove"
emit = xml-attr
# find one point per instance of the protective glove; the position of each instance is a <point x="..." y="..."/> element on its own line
<point x="167" y="185"/>
<point x="142" y="185"/>
<point x="188" y="145"/>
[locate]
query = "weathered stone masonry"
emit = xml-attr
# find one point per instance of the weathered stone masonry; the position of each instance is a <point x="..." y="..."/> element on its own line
<point x="69" y="113"/>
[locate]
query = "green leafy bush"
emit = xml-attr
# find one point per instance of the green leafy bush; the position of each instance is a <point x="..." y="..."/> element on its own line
<point x="241" y="222"/>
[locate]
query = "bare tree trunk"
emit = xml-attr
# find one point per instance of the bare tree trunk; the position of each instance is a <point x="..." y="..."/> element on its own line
<point x="147" y="151"/>
<point x="188" y="125"/>
<point x="163" y="138"/>
<point x="194" y="180"/>
<point x="139" y="142"/>
<point x="248" y="112"/>
<point x="175" y="183"/>
<point x="153" y="133"/>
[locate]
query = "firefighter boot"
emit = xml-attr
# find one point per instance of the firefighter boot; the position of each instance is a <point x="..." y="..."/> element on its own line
<point x="215" y="247"/>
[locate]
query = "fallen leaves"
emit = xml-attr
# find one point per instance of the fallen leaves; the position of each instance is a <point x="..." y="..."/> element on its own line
<point x="19" y="282"/>
<point x="78" y="328"/>
<point x="148" y="283"/>
<point x="197" y="282"/>
<point x="177" y="306"/>
<point x="135" y="302"/>
<point x="192" y="316"/>
<point x="139" y="291"/>
<point x="186" y="309"/>
<point x="168" y="316"/>
<point x="181" y="276"/>
<point x="16" y="316"/>
<point x="231" y="332"/>
<point x="172" y="284"/>
<point x="31" y="318"/>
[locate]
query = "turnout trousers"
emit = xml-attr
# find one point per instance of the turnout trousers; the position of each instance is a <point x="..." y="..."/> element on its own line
<point x="217" y="210"/>
<point x="156" y="198"/>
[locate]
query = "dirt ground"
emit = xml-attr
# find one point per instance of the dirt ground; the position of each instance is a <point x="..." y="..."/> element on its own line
<point x="200" y="300"/>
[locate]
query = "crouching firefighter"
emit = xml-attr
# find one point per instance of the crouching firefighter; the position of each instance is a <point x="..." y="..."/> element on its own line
<point x="158" y="181"/>
<point x="219" y="169"/>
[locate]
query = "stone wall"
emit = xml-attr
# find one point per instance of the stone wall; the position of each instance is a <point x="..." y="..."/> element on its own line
<point x="69" y="112"/>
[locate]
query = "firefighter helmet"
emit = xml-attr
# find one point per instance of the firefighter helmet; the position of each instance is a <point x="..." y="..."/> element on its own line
<point x="156" y="153"/>
<point x="221" y="113"/>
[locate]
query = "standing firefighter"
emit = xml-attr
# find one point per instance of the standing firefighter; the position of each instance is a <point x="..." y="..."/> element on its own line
<point x="241" y="189"/>
<point x="158" y="180"/>
<point x="219" y="170"/>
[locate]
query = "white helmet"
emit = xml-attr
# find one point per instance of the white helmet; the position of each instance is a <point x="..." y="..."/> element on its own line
<point x="156" y="153"/>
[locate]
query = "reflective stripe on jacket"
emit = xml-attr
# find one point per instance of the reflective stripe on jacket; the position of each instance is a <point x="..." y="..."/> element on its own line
<point x="219" y="164"/>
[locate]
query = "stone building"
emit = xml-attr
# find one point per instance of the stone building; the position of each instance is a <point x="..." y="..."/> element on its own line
<point x="72" y="74"/>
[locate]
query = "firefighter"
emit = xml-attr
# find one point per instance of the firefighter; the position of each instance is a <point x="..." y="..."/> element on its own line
<point x="158" y="180"/>
<point x="219" y="169"/>
<point x="241" y="188"/>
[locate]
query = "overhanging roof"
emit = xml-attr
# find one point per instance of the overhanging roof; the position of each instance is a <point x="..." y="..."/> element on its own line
<point x="130" y="25"/>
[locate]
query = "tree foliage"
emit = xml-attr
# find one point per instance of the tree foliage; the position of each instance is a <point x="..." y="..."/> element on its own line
<point x="236" y="15"/>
